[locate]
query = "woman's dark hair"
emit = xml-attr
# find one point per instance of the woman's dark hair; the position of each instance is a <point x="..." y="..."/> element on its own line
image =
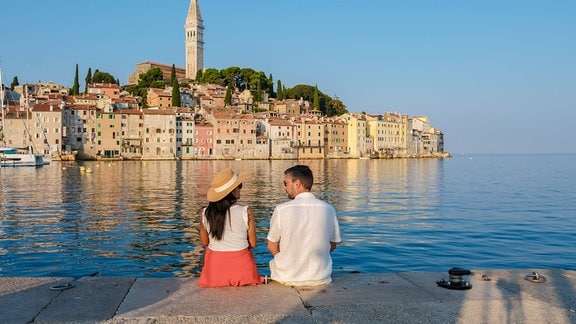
<point x="216" y="213"/>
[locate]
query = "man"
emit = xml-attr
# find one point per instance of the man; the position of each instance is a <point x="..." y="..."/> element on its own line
<point x="303" y="232"/>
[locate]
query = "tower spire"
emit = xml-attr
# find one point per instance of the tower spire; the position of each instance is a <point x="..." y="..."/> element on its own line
<point x="194" y="40"/>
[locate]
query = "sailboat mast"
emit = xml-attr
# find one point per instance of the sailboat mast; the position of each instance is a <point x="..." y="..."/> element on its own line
<point x="2" y="107"/>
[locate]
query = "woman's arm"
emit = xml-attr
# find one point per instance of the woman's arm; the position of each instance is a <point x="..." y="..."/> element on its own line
<point x="251" y="229"/>
<point x="204" y="238"/>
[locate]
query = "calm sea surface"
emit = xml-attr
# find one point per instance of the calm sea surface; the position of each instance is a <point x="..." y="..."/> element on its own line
<point x="141" y="218"/>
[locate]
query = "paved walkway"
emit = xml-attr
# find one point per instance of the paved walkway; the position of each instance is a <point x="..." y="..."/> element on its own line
<point x="405" y="297"/>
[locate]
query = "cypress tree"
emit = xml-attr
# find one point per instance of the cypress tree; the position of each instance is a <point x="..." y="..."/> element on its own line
<point x="176" y="100"/>
<point x="316" y="102"/>
<point x="76" y="86"/>
<point x="228" y="98"/>
<point x="279" y="90"/>
<point x="173" y="73"/>
<point x="258" y="95"/>
<point x="88" y="79"/>
<point x="14" y="83"/>
<point x="271" y="90"/>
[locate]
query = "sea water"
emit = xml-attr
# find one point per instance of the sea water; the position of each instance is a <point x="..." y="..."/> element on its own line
<point x="140" y="218"/>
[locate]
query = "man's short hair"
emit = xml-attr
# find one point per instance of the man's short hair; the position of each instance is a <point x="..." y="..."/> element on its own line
<point x="302" y="173"/>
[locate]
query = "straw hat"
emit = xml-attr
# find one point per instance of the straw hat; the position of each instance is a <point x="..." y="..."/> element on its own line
<point x="223" y="183"/>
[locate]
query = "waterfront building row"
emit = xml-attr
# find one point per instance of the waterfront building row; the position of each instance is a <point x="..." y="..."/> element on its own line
<point x="107" y="124"/>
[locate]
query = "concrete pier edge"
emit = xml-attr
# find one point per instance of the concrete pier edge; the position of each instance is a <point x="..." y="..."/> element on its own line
<point x="496" y="296"/>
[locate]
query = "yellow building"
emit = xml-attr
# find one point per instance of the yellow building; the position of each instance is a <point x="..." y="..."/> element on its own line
<point x="356" y="123"/>
<point x="310" y="135"/>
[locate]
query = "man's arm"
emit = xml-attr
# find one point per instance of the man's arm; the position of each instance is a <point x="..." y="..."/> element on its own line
<point x="273" y="247"/>
<point x="332" y="246"/>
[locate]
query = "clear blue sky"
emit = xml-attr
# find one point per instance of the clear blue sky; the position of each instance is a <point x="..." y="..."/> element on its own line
<point x="494" y="76"/>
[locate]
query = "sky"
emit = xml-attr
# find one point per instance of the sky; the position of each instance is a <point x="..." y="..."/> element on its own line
<point x="494" y="76"/>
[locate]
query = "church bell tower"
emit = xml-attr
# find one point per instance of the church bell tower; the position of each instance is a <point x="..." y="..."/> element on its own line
<point x="194" y="40"/>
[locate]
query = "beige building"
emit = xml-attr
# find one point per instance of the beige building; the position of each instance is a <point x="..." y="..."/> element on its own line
<point x="290" y="107"/>
<point x="132" y="131"/>
<point x="159" y="136"/>
<point x="282" y="137"/>
<point x="17" y="122"/>
<point x="108" y="139"/>
<point x="159" y="98"/>
<point x="81" y="129"/>
<point x="46" y="133"/>
<point x="39" y="128"/>
<point x="111" y="90"/>
<point x="234" y="135"/>
<point x="336" y="138"/>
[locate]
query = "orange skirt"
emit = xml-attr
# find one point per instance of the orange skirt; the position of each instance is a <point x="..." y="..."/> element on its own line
<point x="222" y="269"/>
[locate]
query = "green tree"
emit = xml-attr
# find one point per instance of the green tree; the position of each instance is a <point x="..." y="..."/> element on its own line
<point x="271" y="88"/>
<point x="76" y="86"/>
<point x="88" y="79"/>
<point x="231" y="75"/>
<point x="211" y="76"/>
<point x="300" y="91"/>
<point x="228" y="98"/>
<point x="246" y="80"/>
<point x="151" y="79"/>
<point x="14" y="83"/>
<point x="176" y="100"/>
<point x="337" y="107"/>
<point x="280" y="91"/>
<point x="257" y="82"/>
<point x="258" y="92"/>
<point x="103" y="77"/>
<point x="316" y="100"/>
<point x="308" y="93"/>
<point x="198" y="75"/>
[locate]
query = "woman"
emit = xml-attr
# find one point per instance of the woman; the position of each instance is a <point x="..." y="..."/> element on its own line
<point x="228" y="232"/>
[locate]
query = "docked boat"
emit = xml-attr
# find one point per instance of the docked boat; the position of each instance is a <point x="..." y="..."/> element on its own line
<point x="12" y="157"/>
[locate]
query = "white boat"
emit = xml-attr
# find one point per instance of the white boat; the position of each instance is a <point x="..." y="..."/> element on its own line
<point x="12" y="157"/>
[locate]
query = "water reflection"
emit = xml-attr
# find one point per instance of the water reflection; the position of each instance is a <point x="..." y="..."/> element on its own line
<point x="141" y="218"/>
